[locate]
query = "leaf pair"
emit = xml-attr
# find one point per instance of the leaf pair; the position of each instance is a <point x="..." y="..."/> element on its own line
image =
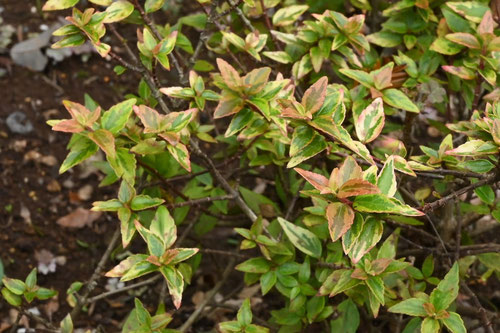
<point x="379" y="84"/>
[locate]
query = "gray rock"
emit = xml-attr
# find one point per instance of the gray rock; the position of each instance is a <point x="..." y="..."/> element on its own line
<point x="18" y="123"/>
<point x="28" y="53"/>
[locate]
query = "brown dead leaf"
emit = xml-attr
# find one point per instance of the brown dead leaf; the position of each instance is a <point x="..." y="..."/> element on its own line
<point x="51" y="307"/>
<point x="249" y="292"/>
<point x="79" y="218"/>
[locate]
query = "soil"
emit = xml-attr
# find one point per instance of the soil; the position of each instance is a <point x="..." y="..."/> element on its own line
<point x="33" y="195"/>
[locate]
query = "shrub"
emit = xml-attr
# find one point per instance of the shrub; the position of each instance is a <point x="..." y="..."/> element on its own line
<point x="367" y="217"/>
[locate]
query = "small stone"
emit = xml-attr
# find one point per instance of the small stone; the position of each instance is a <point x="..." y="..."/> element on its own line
<point x="49" y="160"/>
<point x="19" y="123"/>
<point x="53" y="186"/>
<point x="68" y="183"/>
<point x="85" y="193"/>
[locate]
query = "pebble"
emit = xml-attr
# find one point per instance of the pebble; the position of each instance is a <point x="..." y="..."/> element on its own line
<point x="19" y="123"/>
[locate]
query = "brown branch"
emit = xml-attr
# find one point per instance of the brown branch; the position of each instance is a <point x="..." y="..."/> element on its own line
<point x="97" y="273"/>
<point x="225" y="253"/>
<point x="223" y="182"/>
<point x="126" y="288"/>
<point x="200" y="201"/>
<point x="487" y="324"/>
<point x="490" y="178"/>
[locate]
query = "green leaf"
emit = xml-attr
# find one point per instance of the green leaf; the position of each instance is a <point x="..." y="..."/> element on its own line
<point x="267" y="281"/>
<point x="359" y="76"/>
<point x="444" y="46"/>
<point x="430" y="325"/>
<point x="340" y="218"/>
<point x="142" y="201"/>
<point x="175" y="284"/>
<point x="454" y="323"/>
<point x="117" y="116"/>
<point x="474" y="148"/>
<point x="410" y="307"/>
<point x="67" y="324"/>
<point x="472" y="10"/>
<point x="81" y="148"/>
<point x="486" y="194"/>
<point x="245" y="313"/>
<point x="31" y="279"/>
<point x="163" y="226"/>
<point x="302" y="136"/>
<point x="197" y="21"/>
<point x="447" y="290"/>
<point x="59" y="4"/>
<point x="376" y="286"/>
<point x="141" y="313"/>
<point x="11" y="298"/>
<point x="139" y="269"/>
<point x="102" y="2"/>
<point x="118" y="11"/>
<point x="385" y="39"/>
<point x="302" y="238"/>
<point x="153" y="5"/>
<point x="386" y="181"/>
<point x="398" y="99"/>
<point x="15" y="286"/>
<point x="370" y="234"/>
<point x="377" y="203"/>
<point x="181" y="155"/>
<point x="242" y="119"/>
<point x="464" y="39"/>
<point x="289" y="14"/>
<point x="349" y="319"/>
<point x="254" y="265"/>
<point x="316" y="146"/>
<point x="45" y="293"/>
<point x="278" y="56"/>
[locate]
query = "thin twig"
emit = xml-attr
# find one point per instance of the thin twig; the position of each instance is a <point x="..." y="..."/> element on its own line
<point x="208" y="297"/>
<point x="225" y="253"/>
<point x="151" y="25"/>
<point x="490" y="178"/>
<point x="126" y="288"/>
<point x="97" y="273"/>
<point x="200" y="201"/>
<point x="487" y="324"/>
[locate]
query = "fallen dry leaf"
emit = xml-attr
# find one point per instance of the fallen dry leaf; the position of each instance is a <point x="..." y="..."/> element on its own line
<point x="79" y="218"/>
<point x="51" y="307"/>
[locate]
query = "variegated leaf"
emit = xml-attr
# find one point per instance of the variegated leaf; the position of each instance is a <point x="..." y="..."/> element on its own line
<point x="370" y="235"/>
<point x="340" y="218"/>
<point x="378" y="203"/>
<point x="371" y="121"/>
<point x="386" y="181"/>
<point x="301" y="238"/>
<point x="355" y="187"/>
<point x="319" y="182"/>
